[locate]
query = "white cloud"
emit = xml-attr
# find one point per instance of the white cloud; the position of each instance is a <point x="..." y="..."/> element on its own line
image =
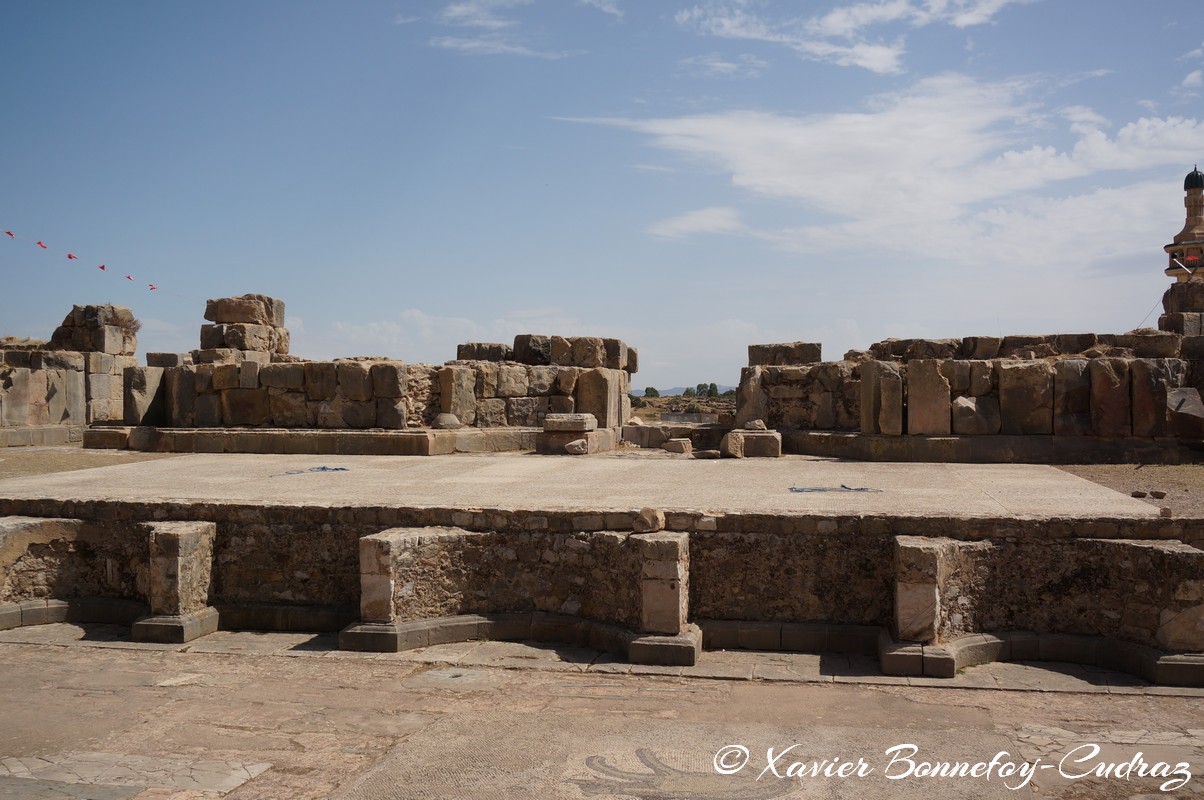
<point x="849" y="25"/>
<point x="716" y="219"/>
<point x="1193" y="80"/>
<point x="402" y="19"/>
<point x="480" y="13"/>
<point x="491" y="46"/>
<point x="946" y="168"/>
<point x="1194" y="54"/>
<point x="715" y="66"/>
<point x="605" y="6"/>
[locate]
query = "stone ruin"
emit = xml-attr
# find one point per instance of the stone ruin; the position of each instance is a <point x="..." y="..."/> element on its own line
<point x="49" y="391"/>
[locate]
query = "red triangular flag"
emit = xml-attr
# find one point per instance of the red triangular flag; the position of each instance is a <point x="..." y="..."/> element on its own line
<point x="102" y="266"/>
<point x="11" y="235"/>
<point x="41" y="245"/>
<point x="71" y="256"/>
<point x="129" y="277"/>
<point x="152" y="286"/>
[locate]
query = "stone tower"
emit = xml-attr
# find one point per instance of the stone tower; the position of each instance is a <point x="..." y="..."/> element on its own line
<point x="1185" y="255"/>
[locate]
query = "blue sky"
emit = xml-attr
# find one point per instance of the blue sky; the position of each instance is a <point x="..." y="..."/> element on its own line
<point x="690" y="176"/>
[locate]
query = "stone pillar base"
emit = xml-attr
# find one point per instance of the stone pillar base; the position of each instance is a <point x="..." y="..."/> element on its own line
<point x="670" y="651"/>
<point x="176" y="629"/>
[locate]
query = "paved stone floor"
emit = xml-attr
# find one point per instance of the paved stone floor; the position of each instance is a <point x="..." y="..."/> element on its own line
<point x="86" y="713"/>
<point x="620" y="482"/>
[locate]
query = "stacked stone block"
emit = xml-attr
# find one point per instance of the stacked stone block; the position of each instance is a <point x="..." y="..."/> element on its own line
<point x="1140" y="343"/>
<point x="823" y="396"/>
<point x="249" y="327"/>
<point x="1104" y="396"/>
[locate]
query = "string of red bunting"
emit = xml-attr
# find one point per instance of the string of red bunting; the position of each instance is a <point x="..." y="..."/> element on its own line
<point x="73" y="257"/>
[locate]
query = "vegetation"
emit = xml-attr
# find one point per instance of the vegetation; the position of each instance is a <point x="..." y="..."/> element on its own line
<point x="651" y="392"/>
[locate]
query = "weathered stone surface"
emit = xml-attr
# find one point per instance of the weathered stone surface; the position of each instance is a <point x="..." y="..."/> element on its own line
<point x="633" y="360"/>
<point x="321" y="380"/>
<point x="283" y="376"/>
<point x="220" y="355"/>
<point x="1190" y="323"/>
<point x="598" y="393"/>
<point x="457" y="393"/>
<point x="167" y="359"/>
<point x="1110" y="402"/>
<point x="982" y="378"/>
<point x="484" y="351"/>
<point x="207" y="411"/>
<point x="180" y="397"/>
<point x="1072" y="397"/>
<point x="246" y="336"/>
<point x="682" y="445"/>
<point x="616" y="354"/>
<point x="784" y="353"/>
<point x="226" y="376"/>
<point x="491" y="413"/>
<point x="447" y="421"/>
<point x="1025" y="397"/>
<point x="355" y="379"/>
<point x="145" y="396"/>
<point x="1073" y="343"/>
<point x="570" y="422"/>
<point x="577" y="447"/>
<point x="526" y="412"/>
<point x="976" y="416"/>
<point x="511" y="380"/>
<point x="391" y="412"/>
<point x="530" y="348"/>
<point x="1149" y="343"/>
<point x="1186" y="413"/>
<point x="288" y="409"/>
<point x="248" y="407"/>
<point x="928" y="411"/>
<point x="357" y="413"/>
<point x="558" y="404"/>
<point x="980" y="347"/>
<point x="890" y="415"/>
<point x="1150" y="380"/>
<point x="181" y="566"/>
<point x="934" y="349"/>
<point x="751" y="444"/>
<point x="249" y="308"/>
<point x="541" y="380"/>
<point x="248" y="375"/>
<point x="649" y="520"/>
<point x="752" y="398"/>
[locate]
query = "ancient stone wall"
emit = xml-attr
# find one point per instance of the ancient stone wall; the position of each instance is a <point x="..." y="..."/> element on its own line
<point x="441" y="572"/>
<point x="822" y="577"/>
<point x="1101" y="396"/>
<point x="61" y="558"/>
<point x="50" y="390"/>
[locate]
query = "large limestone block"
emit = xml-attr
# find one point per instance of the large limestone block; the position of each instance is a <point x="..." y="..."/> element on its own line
<point x="976" y="416"/>
<point x="1151" y="379"/>
<point x="289" y="409"/>
<point x="112" y="340"/>
<point x="784" y="353"/>
<point x="957" y="372"/>
<point x="570" y="422"/>
<point x="533" y="349"/>
<point x="928" y="409"/>
<point x="457" y="393"/>
<point x="355" y="379"/>
<point x="389" y="379"/>
<point x="250" y="308"/>
<point x="484" y="351"/>
<point x="589" y="351"/>
<point x="633" y="360"/>
<point x="145" y="396"/>
<point x="526" y="412"/>
<point x="541" y="380"/>
<point x="227" y="376"/>
<point x="357" y="413"/>
<point x="1026" y="397"/>
<point x="891" y="417"/>
<point x="391" y="412"/>
<point x="213" y="336"/>
<point x="65" y="400"/>
<point x="249" y="407"/>
<point x="491" y="413"/>
<point x="283" y="376"/>
<point x="616" y="353"/>
<point x="599" y="393"/>
<point x="181" y="566"/>
<point x="207" y="411"/>
<point x="1110" y="402"/>
<point x="511" y="380"/>
<point x="1072" y="397"/>
<point x="742" y="443"/>
<point x="752" y="398"/>
<point x="181" y="395"/>
<point x="981" y="347"/>
<point x="321" y="380"/>
<point x="249" y="336"/>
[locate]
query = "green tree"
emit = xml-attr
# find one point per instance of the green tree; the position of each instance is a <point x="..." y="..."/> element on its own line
<point x="637" y="402"/>
<point x="700" y="390"/>
<point x="712" y="391"/>
<point x="651" y="392"/>
<point x="690" y="392"/>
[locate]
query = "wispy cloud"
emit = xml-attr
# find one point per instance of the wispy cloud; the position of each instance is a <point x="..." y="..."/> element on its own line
<point x="402" y="19"/>
<point x="1193" y="54"/>
<point x="715" y="66"/>
<point x="480" y="13"/>
<point x="491" y="46"/>
<point x="716" y="219"/>
<point x="492" y="32"/>
<point x="605" y="6"/>
<point x="840" y="36"/>
<point x="932" y="170"/>
<point x="1194" y="80"/>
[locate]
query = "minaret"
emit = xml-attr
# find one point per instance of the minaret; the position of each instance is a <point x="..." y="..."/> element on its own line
<point x="1185" y="255"/>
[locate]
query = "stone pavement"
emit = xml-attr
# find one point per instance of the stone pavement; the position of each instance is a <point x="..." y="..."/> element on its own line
<point x="620" y="482"/>
<point x="88" y="714"/>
